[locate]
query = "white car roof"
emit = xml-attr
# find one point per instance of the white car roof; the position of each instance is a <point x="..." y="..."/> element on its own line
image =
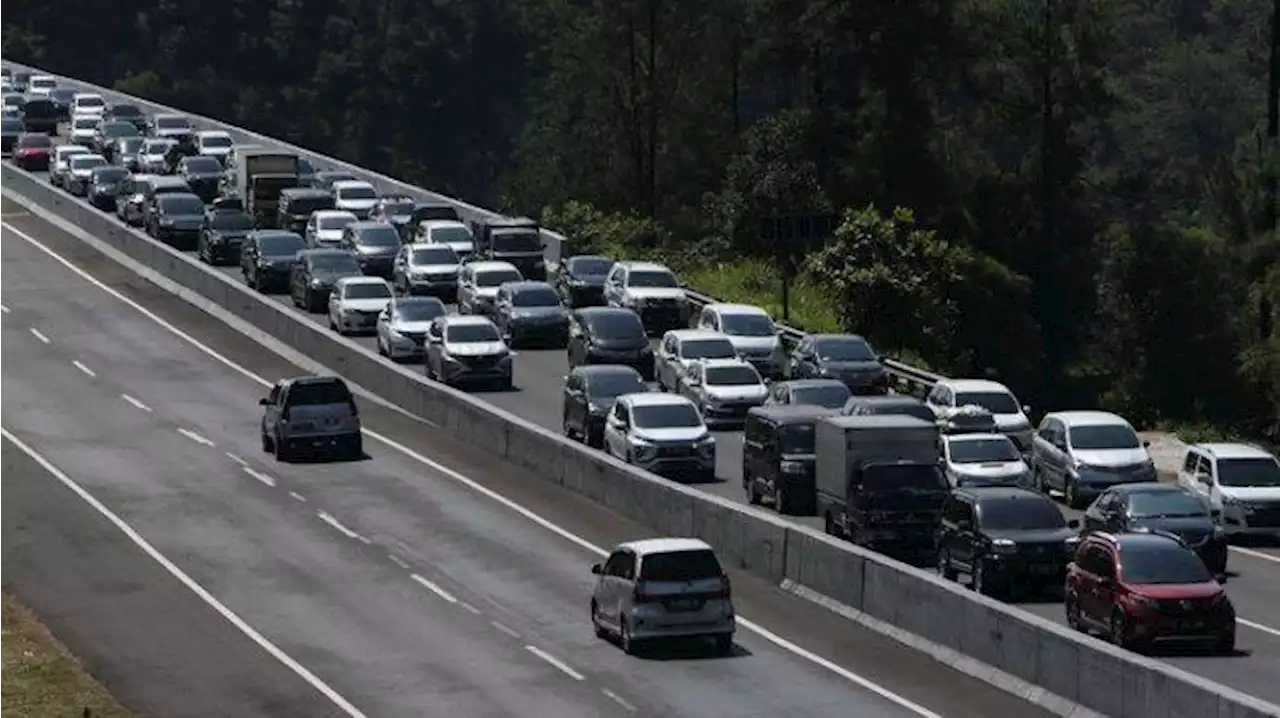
<point x="959" y="438"/>
<point x="91" y="155"/>
<point x="331" y="213"/>
<point x="361" y="280"/>
<point x="965" y="385"/>
<point x="647" y="547"/>
<point x="655" y="399"/>
<point x="42" y="77"/>
<point x="687" y="334"/>
<point x="85" y="96"/>
<point x="714" y="363"/>
<point x="727" y="308"/>
<point x="350" y="184"/>
<point x="462" y="320"/>
<point x="1233" y="451"/>
<point x="1089" y="418"/>
<point x="213" y="133"/>
<point x="645" y="266"/>
<point x="64" y="150"/>
<point x="478" y="267"/>
<point x="441" y="223"/>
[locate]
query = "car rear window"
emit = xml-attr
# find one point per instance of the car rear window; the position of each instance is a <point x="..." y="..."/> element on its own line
<point x="314" y="393"/>
<point x="680" y="566"/>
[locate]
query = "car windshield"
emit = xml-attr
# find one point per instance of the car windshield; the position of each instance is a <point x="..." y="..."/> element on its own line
<point x="844" y="349"/>
<point x="103" y="175"/>
<point x="380" y="236"/>
<point x="614" y="384"/>
<point x="306" y="204"/>
<point x="747" y="325"/>
<point x="666" y="416"/>
<point x="91" y="101"/>
<point x="616" y="325"/>
<point x="172" y="204"/>
<point x="497" y="277"/>
<point x="707" y="349"/>
<point x="535" y="297"/>
<point x="158" y="147"/>
<point x="434" y="255"/>
<point x="119" y="129"/>
<point x="131" y="145"/>
<point x="397" y="207"/>
<point x="317" y="393"/>
<point x="517" y="242"/>
<point x="85" y="123"/>
<point x="215" y="141"/>
<point x="1162" y="564"/>
<point x="1104" y="436"/>
<point x="172" y="123"/>
<point x="589" y="266"/>
<point x="334" y="222"/>
<point x="357" y="193"/>
<point x="9" y="124"/>
<point x="87" y="162"/>
<point x="1021" y="514"/>
<point x="1260" y="472"/>
<point x="335" y="263"/>
<point x="280" y="245"/>
<point x="420" y="311"/>
<point x="982" y="451"/>
<point x="448" y="235"/>
<point x="680" y="566"/>
<point x="472" y="333"/>
<point x="205" y="165"/>
<point x="125" y="111"/>
<point x="231" y="221"/>
<point x="731" y="376"/>
<point x="62" y="95"/>
<point x="996" y="402"/>
<point x="832" y="396"/>
<point x="35" y="141"/>
<point x="796" y="438"/>
<point x="367" y="290"/>
<point x="652" y="278"/>
<point x="1165" y="504"/>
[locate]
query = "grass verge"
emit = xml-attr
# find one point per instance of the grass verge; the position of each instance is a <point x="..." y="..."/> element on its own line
<point x="41" y="679"/>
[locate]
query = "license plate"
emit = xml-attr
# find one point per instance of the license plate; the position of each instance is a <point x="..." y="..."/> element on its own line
<point x="1191" y="626"/>
<point x="684" y="604"/>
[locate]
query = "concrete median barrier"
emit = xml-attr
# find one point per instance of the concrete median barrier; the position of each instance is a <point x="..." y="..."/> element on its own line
<point x="1076" y="669"/>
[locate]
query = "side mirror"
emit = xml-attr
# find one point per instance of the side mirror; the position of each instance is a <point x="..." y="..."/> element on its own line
<point x="1073" y="524"/>
<point x="615" y="422"/>
<point x="1146" y="444"/>
<point x="597" y="569"/>
<point x="1026" y="408"/>
<point x="264" y="401"/>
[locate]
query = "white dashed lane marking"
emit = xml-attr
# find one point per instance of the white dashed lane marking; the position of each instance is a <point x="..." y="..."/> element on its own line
<point x="264" y="478"/>
<point x="135" y="402"/>
<point x="39" y="335"/>
<point x="336" y="524"/>
<point x="297" y="496"/>
<point x="506" y="629"/>
<point x="469" y="608"/>
<point x="236" y="458"/>
<point x="195" y="437"/>
<point x="443" y="594"/>
<point x="618" y="699"/>
<point x="398" y="561"/>
<point x="560" y="665"/>
<point x="81" y="366"/>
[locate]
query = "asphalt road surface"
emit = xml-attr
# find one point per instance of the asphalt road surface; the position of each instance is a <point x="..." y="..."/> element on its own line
<point x="394" y="582"/>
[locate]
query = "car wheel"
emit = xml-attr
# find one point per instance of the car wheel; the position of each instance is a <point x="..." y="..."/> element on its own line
<point x="1072" y="609"/>
<point x="508" y="383"/>
<point x="945" y="569"/>
<point x="630" y="645"/>
<point x="1227" y="643"/>
<point x="1119" y="630"/>
<point x="266" y="443"/>
<point x="283" y="451"/>
<point x="595" y="622"/>
<point x="382" y="349"/>
<point x="1070" y="495"/>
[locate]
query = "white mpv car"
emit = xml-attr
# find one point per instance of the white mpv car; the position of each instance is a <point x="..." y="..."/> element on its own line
<point x="1238" y="480"/>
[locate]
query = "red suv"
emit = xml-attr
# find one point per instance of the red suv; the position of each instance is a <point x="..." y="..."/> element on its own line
<point x="32" y="151"/>
<point x="1143" y="589"/>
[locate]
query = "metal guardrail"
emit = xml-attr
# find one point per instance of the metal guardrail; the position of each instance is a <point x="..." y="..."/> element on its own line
<point x="906" y="378"/>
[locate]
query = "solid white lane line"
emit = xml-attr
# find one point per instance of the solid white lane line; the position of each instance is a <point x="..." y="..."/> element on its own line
<point x="505" y="629"/>
<point x="559" y="664"/>
<point x="80" y="365"/>
<point x="297" y="496"/>
<point x="1259" y="627"/>
<point x="38" y="335"/>
<point x="135" y="402"/>
<point x="619" y="700"/>
<point x="469" y="608"/>
<point x="528" y="514"/>
<point x="443" y="594"/>
<point x="194" y="437"/>
<point x="236" y="458"/>
<point x="276" y="652"/>
<point x="329" y="519"/>
<point x="264" y="478"/>
<point x="398" y="561"/>
<point x="1256" y="554"/>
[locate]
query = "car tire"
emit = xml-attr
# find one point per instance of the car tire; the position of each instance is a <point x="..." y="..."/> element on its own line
<point x="1070" y="497"/>
<point x="1118" y="631"/>
<point x="596" y="626"/>
<point x="266" y="443"/>
<point x="355" y="447"/>
<point x="945" y="569"/>
<point x="1072" y="610"/>
<point x="508" y="383"/>
<point x="284" y="453"/>
<point x="630" y="645"/>
<point x="723" y="643"/>
<point x="1226" y="644"/>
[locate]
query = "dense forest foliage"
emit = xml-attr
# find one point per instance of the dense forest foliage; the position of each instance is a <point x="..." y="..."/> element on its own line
<point x="1075" y="196"/>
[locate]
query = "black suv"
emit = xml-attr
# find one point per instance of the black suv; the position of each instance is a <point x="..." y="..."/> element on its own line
<point x="202" y="174"/>
<point x="580" y="280"/>
<point x="297" y="204"/>
<point x="847" y="357"/>
<point x="375" y="246"/>
<point x="177" y="219"/>
<point x="589" y="393"/>
<point x="778" y="456"/>
<point x="267" y="256"/>
<point x="104" y="140"/>
<point x="126" y="112"/>
<point x="314" y="273"/>
<point x="41" y="115"/>
<point x="104" y="185"/>
<point x="1005" y="538"/>
<point x="224" y="233"/>
<point x="1167" y="508"/>
<point x="530" y="313"/>
<point x="609" y="335"/>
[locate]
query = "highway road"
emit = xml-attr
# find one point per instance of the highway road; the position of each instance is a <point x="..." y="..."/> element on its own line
<point x="411" y="582"/>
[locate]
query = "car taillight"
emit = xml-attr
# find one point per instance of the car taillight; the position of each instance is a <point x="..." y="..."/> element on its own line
<point x="355" y="410"/>
<point x="723" y="591"/>
<point x="639" y="596"/>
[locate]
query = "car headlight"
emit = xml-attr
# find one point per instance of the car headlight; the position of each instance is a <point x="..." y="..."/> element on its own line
<point x="792" y="467"/>
<point x="1142" y="601"/>
<point x="316" y="283"/>
<point x="166" y="222"/>
<point x="1072" y="541"/>
<point x="1218" y="531"/>
<point x="1004" y="546"/>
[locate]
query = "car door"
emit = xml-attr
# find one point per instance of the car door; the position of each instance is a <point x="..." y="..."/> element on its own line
<point x="271" y="410"/>
<point x="689" y="384"/>
<point x="664" y="359"/>
<point x="1098" y="599"/>
<point x="613" y="286"/>
<point x="1187" y="474"/>
<point x="1207" y="477"/>
<point x="615" y="431"/>
<point x="797" y="362"/>
<point x="619" y="573"/>
<point x="574" y="400"/>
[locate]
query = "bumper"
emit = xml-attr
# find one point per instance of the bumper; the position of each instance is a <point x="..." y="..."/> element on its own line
<point x="1244" y="520"/>
<point x="713" y="619"/>
<point x="433" y="288"/>
<point x="458" y="372"/>
<point x="225" y="251"/>
<point x="660" y="319"/>
<point x="319" y="444"/>
<point x="77" y="187"/>
<point x="1155" y="627"/>
<point x="726" y="416"/>
<point x="273" y="278"/>
<point x="642" y="363"/>
<point x="357" y="322"/>
<point x="402" y="347"/>
<point x="694" y="468"/>
<point x="181" y="238"/>
<point x="556" y="335"/>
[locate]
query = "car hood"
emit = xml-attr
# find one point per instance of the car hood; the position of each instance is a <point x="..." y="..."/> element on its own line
<point x="186" y="220"/>
<point x="852" y="367"/>
<point x="657" y="293"/>
<point x="749" y="392"/>
<point x="329" y="235"/>
<point x="622" y="344"/>
<point x="361" y="205"/>
<point x="365" y="251"/>
<point x="365" y="305"/>
<point x="1175" y="591"/>
<point x="475" y="349"/>
<point x="992" y="469"/>
<point x="1111" y="457"/>
<point x="436" y="268"/>
<point x="410" y="327"/>
<point x="682" y="434"/>
<point x="754" y="345"/>
<point x="1252" y="493"/>
<point x="538" y="313"/>
<point x="1033" y="535"/>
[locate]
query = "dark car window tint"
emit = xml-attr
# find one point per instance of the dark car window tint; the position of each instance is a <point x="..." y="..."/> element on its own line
<point x="843" y="349"/>
<point x="707" y="349"/>
<point x="231" y="221"/>
<point x="125" y="111"/>
<point x="652" y="278"/>
<point x="279" y="245"/>
<point x="206" y="165"/>
<point x="347" y="193"/>
<point x="517" y="242"/>
<point x="380" y="236"/>
<point x="172" y="123"/>
<point x="731" y="376"/>
<point x="181" y="205"/>
<point x="496" y="278"/>
<point x="335" y="263"/>
<point x="367" y="290"/>
<point x="535" y="297"/>
<point x="1020" y="515"/>
<point x="397" y="209"/>
<point x="318" y="393"/>
<point x="614" y="384"/>
<point x="677" y="566"/>
<point x="219" y="141"/>
<point x="1105" y="436"/>
<point x="1167" y="504"/>
<point x="996" y="402"/>
<point x="747" y="325"/>
<point x="666" y="415"/>
<point x="434" y="255"/>
<point x="1162" y="564"/>
<point x="977" y="451"/>
<point x="796" y="438"/>
<point x="446" y="235"/>
<point x="119" y="129"/>
<point x="615" y="325"/>
<point x="468" y="333"/>
<point x="1249" y="472"/>
<point x="420" y="311"/>
<point x="589" y="266"/>
<point x="831" y="397"/>
<point x="109" y="174"/>
<point x="333" y="222"/>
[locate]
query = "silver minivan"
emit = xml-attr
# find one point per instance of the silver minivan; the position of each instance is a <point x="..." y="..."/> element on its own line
<point x="662" y="588"/>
